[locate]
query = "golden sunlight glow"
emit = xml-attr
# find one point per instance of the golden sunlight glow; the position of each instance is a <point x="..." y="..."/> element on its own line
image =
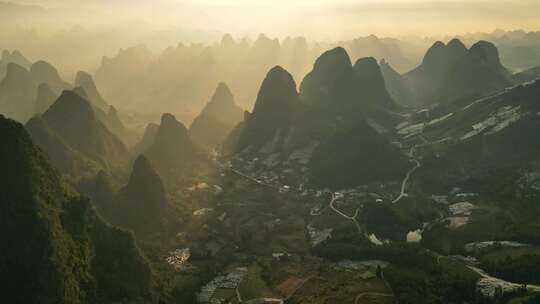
<point x="323" y="19"/>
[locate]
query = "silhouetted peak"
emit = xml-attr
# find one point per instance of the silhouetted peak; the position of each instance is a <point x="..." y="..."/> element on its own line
<point x="16" y="72"/>
<point x="277" y="93"/>
<point x="485" y="50"/>
<point x="265" y="43"/>
<point x="456" y="44"/>
<point x="168" y="121"/>
<point x="332" y="61"/>
<point x="300" y="41"/>
<point x="150" y="133"/>
<point x="437" y="45"/>
<point x="368" y="71"/>
<point x="227" y="40"/>
<point x="14" y="136"/>
<point x="273" y="108"/>
<point x="278" y="87"/>
<point x="143" y="172"/>
<point x="262" y="38"/>
<point x="434" y="53"/>
<point x="70" y="106"/>
<point x="366" y="64"/>
<point x="147" y="139"/>
<point x="150" y="128"/>
<point x="25" y="172"/>
<point x="82" y="78"/>
<point x="171" y="132"/>
<point x="85" y="81"/>
<point x="371" y="83"/>
<point x="223" y="94"/>
<point x="143" y="199"/>
<point x="44" y="72"/>
<point x="81" y="92"/>
<point x="17" y="56"/>
<point x="17" y="53"/>
<point x="486" y="45"/>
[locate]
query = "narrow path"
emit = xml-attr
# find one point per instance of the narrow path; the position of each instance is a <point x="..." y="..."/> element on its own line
<point x="377" y="294"/>
<point x="493" y="281"/>
<point x="251" y="178"/>
<point x="405" y="181"/>
<point x="403" y="192"/>
<point x="299" y="287"/>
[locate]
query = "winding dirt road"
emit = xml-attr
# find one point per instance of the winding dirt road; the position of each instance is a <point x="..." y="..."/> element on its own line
<point x="351" y="218"/>
<point x="367" y="294"/>
<point x="403" y="192"/>
<point x="405" y="181"/>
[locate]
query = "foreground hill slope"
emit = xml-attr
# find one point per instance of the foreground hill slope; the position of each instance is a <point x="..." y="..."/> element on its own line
<point x="59" y="250"/>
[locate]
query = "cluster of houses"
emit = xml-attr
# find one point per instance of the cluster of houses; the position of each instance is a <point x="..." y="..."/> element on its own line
<point x="178" y="258"/>
<point x="229" y="282"/>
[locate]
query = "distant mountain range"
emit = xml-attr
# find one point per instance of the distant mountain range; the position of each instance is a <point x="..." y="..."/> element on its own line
<point x="180" y="78"/>
<point x="449" y="72"/>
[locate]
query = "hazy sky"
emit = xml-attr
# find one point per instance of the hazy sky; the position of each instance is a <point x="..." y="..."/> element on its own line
<point x="331" y="19"/>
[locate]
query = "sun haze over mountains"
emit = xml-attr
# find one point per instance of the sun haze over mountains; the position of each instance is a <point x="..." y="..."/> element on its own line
<point x="285" y="151"/>
<point x="316" y="18"/>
